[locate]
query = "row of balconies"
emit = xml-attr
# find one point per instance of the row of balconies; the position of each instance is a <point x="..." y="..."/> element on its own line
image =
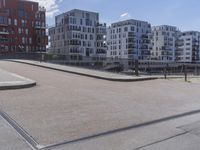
<point x="74" y="42"/>
<point x="144" y="47"/>
<point x="131" y="34"/>
<point x="4" y="32"/>
<point x="145" y="36"/>
<point x="145" y="52"/>
<point x="3" y="40"/>
<point x="40" y="26"/>
<point x="131" y="46"/>
<point x="101" y="51"/>
<point x="4" y="24"/>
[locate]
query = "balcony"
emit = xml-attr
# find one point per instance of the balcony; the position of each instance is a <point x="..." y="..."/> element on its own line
<point x="144" y="48"/>
<point x="4" y="24"/>
<point x="36" y="26"/>
<point x="195" y="43"/>
<point x="42" y="9"/>
<point x="4" y="32"/>
<point x="146" y="41"/>
<point x="3" y="39"/>
<point x="40" y="27"/>
<point x="131" y="46"/>
<point x="131" y="40"/>
<point x="145" y="36"/>
<point x="179" y="44"/>
<point x="147" y="52"/>
<point x="131" y="34"/>
<point x="74" y="43"/>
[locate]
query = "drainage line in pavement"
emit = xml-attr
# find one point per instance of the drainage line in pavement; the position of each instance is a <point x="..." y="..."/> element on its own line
<point x="160" y="141"/>
<point x="28" y="138"/>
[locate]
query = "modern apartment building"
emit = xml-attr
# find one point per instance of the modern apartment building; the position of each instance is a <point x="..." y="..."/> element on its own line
<point x="164" y="39"/>
<point x="101" y="40"/>
<point x="78" y="33"/>
<point x="129" y="39"/>
<point x="22" y="26"/>
<point x="188" y="47"/>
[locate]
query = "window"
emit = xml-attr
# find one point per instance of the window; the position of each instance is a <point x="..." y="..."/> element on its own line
<point x="15" y="22"/>
<point x="19" y="30"/>
<point x="23" y="40"/>
<point x="3" y="20"/>
<point x="30" y="40"/>
<point x="26" y="31"/>
<point x="81" y="21"/>
<point x="132" y="29"/>
<point x="91" y="37"/>
<point x="23" y="23"/>
<point x="9" y="21"/>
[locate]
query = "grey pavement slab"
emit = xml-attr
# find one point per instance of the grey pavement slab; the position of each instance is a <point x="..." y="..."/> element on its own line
<point x="88" y="72"/>
<point x="10" y="139"/>
<point x="141" y="138"/>
<point x="66" y="107"/>
<point x="183" y="142"/>
<point x="13" y="81"/>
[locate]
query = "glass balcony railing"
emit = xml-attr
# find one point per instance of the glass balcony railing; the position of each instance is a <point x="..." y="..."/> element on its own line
<point x="4" y="32"/>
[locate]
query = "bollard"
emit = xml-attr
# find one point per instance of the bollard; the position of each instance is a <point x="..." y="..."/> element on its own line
<point x="185" y="72"/>
<point x="165" y="71"/>
<point x="136" y="68"/>
<point x="197" y="70"/>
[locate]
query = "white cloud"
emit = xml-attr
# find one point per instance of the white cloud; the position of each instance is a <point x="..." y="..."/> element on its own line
<point x="52" y="6"/>
<point x="125" y="16"/>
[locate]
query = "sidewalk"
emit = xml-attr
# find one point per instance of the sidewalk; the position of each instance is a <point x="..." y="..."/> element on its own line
<point x="87" y="72"/>
<point x="10" y="139"/>
<point x="13" y="81"/>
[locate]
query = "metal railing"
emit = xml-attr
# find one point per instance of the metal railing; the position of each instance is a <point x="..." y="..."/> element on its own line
<point x="125" y="66"/>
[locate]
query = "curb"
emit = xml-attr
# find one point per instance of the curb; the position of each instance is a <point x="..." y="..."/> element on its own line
<point x="89" y="75"/>
<point x="19" y="86"/>
<point x="19" y="83"/>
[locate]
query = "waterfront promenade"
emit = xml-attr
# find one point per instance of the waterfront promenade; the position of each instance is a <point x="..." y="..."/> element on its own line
<point x="70" y="111"/>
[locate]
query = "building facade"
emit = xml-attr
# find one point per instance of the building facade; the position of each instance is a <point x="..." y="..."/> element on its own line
<point x="101" y="40"/>
<point x="129" y="39"/>
<point x="164" y="40"/>
<point x="188" y="47"/>
<point x="22" y="26"/>
<point x="78" y="33"/>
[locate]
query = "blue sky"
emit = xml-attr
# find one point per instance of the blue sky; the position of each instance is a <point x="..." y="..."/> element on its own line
<point x="184" y="14"/>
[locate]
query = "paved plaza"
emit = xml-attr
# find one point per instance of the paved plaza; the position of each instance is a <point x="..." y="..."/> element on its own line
<point x="10" y="80"/>
<point x="67" y="111"/>
<point x="10" y="140"/>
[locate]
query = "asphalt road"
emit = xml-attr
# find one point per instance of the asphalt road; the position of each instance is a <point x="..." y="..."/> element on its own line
<point x="66" y="107"/>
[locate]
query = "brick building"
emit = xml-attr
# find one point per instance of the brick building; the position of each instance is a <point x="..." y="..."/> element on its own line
<point x="22" y="26"/>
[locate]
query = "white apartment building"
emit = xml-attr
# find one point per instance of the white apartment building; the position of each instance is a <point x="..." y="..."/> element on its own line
<point x="188" y="47"/>
<point x="164" y="39"/>
<point x="129" y="40"/>
<point x="101" y="40"/>
<point x="78" y="33"/>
